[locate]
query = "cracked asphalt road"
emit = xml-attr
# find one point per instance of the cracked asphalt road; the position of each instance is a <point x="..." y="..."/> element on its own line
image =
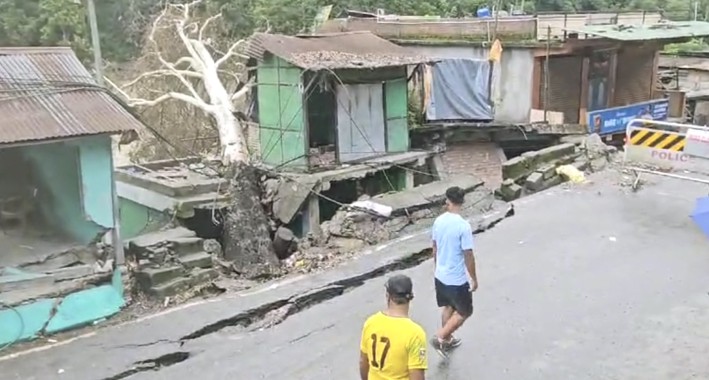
<point x="587" y="282"/>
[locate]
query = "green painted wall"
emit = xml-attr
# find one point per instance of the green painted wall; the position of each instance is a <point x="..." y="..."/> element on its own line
<point x="281" y="115"/>
<point x="40" y="317"/>
<point x="137" y="219"/>
<point x="396" y="113"/>
<point x="58" y="166"/>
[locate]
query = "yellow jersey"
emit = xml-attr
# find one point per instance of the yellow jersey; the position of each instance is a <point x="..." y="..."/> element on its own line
<point x="394" y="345"/>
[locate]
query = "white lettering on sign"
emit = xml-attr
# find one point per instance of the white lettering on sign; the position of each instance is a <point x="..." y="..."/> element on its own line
<point x="699" y="136"/>
<point x="697" y="143"/>
<point x="670" y="156"/>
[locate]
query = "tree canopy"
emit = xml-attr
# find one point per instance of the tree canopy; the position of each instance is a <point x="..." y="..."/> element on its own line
<point x="123" y="23"/>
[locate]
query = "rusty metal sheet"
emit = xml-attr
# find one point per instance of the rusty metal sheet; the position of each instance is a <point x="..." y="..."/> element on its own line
<point x="352" y="50"/>
<point x="46" y="93"/>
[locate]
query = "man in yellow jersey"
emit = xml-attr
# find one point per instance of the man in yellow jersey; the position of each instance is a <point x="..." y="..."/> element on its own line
<point x="393" y="346"/>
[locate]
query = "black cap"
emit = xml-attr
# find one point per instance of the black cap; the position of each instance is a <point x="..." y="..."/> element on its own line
<point x="400" y="285"/>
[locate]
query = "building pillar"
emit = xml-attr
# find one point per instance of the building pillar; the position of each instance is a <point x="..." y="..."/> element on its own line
<point x="408" y="179"/>
<point x="311" y="220"/>
<point x="439" y="167"/>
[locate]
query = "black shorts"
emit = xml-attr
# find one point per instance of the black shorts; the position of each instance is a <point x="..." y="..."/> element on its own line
<point x="458" y="297"/>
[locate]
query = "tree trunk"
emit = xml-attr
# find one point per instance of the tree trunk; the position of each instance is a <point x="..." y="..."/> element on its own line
<point x="247" y="239"/>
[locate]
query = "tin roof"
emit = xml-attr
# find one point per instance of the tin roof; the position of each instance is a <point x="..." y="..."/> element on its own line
<point x="352" y="50"/>
<point x="662" y="31"/>
<point x="46" y="93"/>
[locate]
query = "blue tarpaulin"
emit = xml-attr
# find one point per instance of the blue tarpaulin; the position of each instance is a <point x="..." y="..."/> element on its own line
<point x="700" y="215"/>
<point x="460" y="91"/>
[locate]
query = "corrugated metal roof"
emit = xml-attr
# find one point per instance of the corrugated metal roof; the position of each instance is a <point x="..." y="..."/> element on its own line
<point x="46" y="93"/>
<point x="353" y="50"/>
<point x="662" y="31"/>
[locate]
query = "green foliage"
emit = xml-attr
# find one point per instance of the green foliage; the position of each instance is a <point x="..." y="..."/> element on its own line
<point x="123" y="23"/>
<point x="685" y="47"/>
<point x="46" y="22"/>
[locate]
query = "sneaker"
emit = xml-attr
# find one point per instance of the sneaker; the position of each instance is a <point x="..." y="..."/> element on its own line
<point x="453" y="342"/>
<point x="439" y="347"/>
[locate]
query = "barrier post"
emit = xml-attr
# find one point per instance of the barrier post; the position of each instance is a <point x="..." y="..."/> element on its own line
<point x="667" y="146"/>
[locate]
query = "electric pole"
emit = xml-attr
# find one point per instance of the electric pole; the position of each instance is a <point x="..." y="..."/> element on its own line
<point x="95" y="42"/>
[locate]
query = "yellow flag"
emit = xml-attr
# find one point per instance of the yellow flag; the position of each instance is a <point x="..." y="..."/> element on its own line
<point x="495" y="51"/>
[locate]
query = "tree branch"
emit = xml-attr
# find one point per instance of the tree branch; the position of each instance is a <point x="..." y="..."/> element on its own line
<point x="206" y="23"/>
<point x="231" y="52"/>
<point x="135" y="102"/>
<point x="171" y="72"/>
<point x="243" y="91"/>
<point x="170" y="68"/>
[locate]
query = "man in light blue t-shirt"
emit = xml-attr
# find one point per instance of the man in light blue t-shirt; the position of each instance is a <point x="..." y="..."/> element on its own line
<point x="453" y="256"/>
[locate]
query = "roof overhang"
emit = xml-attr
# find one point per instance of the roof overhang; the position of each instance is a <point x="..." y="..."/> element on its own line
<point x="665" y="31"/>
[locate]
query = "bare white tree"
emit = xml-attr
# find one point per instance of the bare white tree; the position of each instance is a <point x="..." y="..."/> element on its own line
<point x="204" y="76"/>
<point x="199" y="65"/>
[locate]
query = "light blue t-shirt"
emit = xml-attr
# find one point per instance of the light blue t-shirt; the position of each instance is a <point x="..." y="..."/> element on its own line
<point x="452" y="235"/>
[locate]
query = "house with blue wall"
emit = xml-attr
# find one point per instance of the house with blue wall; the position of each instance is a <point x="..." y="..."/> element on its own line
<point x="56" y="194"/>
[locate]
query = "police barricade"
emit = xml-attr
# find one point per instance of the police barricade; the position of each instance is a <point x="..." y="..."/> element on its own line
<point x="667" y="147"/>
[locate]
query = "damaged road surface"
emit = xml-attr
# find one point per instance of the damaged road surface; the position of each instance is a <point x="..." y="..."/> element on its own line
<point x="584" y="282"/>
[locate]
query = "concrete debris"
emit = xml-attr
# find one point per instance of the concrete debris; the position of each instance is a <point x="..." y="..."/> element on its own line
<point x="379" y="209"/>
<point x="284" y="243"/>
<point x="350" y="231"/>
<point x="286" y="196"/>
<point x="427" y="195"/>
<point x="509" y="190"/>
<point x="536" y="171"/>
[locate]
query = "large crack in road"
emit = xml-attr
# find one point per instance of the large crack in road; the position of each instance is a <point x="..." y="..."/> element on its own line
<point x="275" y="313"/>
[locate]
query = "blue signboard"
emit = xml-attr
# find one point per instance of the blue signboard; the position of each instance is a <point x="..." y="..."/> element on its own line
<point x="614" y="120"/>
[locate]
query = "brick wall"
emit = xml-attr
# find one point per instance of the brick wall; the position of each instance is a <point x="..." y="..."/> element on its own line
<point x="483" y="159"/>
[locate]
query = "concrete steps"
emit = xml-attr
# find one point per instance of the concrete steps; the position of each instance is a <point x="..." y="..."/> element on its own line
<point x="171" y="262"/>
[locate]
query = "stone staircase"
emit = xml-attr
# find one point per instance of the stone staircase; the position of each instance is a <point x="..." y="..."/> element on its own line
<point x="170" y="262"/>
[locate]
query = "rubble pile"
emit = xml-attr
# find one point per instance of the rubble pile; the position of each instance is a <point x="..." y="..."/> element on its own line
<point x="536" y="171"/>
<point x="351" y="230"/>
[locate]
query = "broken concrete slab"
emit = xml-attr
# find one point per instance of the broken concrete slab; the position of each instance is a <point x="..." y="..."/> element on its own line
<point x="534" y="181"/>
<point x="171" y="288"/>
<point x="551" y="182"/>
<point x="598" y="164"/>
<point x="510" y="191"/>
<point x="594" y="146"/>
<point x="290" y="196"/>
<point x="70" y="273"/>
<point x="174" y="177"/>
<point x="426" y="195"/>
<point x="151" y="277"/>
<point x="202" y="276"/>
<point x="573" y="139"/>
<point x="479" y="200"/>
<point x="187" y="245"/>
<point x="284" y="243"/>
<point x="516" y="168"/>
<point x="14" y="279"/>
<point x="196" y="260"/>
<point x="547" y="171"/>
<point x="556" y="152"/>
<point x="581" y="164"/>
<point x="159" y="237"/>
